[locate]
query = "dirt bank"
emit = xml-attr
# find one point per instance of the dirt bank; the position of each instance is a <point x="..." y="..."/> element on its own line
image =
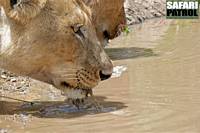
<point x="139" y="10"/>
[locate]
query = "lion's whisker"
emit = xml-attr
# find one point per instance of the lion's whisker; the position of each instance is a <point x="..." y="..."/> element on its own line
<point x="73" y="68"/>
<point x="67" y="78"/>
<point x="69" y="75"/>
<point x="61" y="74"/>
<point x="68" y="69"/>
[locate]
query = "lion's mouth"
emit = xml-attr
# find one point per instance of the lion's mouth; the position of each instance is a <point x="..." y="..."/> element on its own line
<point x="76" y="95"/>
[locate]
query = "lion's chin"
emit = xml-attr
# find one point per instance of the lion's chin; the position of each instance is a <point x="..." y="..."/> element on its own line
<point x="77" y="93"/>
<point x="77" y="96"/>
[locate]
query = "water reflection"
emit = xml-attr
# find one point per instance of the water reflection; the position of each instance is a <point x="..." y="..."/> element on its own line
<point x="56" y="109"/>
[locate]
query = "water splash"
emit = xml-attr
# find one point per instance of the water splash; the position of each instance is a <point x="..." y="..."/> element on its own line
<point x="118" y="70"/>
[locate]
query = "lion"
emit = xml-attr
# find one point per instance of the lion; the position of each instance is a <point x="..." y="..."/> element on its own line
<point x="55" y="41"/>
<point x="108" y="17"/>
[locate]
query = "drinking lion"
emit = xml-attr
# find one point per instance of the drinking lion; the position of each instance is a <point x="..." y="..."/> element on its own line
<point x="108" y="17"/>
<point x="55" y="41"/>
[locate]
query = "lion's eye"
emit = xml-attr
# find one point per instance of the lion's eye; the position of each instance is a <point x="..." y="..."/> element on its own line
<point x="78" y="29"/>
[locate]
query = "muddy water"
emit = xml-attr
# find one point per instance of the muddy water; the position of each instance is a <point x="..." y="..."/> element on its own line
<point x="159" y="92"/>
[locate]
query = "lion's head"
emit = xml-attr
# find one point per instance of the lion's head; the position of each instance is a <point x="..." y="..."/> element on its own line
<point x="55" y="41"/>
<point x="108" y="17"/>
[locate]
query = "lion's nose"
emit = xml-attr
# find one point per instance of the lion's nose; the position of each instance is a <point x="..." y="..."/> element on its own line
<point x="106" y="71"/>
<point x="104" y="76"/>
<point x="106" y="68"/>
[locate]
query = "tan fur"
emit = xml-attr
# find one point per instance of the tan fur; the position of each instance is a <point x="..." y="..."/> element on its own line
<point x="45" y="46"/>
<point x="108" y="15"/>
<point x="27" y="10"/>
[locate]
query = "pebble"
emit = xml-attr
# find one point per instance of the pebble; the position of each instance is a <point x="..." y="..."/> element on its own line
<point x="13" y="82"/>
<point x="3" y="76"/>
<point x="3" y="130"/>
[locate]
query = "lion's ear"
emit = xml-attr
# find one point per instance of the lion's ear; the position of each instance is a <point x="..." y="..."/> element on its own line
<point x="23" y="11"/>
